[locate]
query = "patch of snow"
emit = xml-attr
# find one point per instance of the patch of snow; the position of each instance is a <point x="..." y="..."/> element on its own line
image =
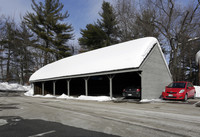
<point x="37" y="96"/>
<point x="82" y="97"/>
<point x="27" y="88"/>
<point x="94" y="98"/>
<point x="197" y="88"/>
<point x="46" y="96"/>
<point x="17" y="87"/>
<point x="195" y="38"/>
<point x="151" y="100"/>
<point x="49" y="96"/>
<point x="5" y="86"/>
<point x="29" y="93"/>
<point x="3" y="122"/>
<point x="63" y="96"/>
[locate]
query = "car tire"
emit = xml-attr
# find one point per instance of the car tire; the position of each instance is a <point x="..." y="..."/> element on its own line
<point x="186" y="97"/>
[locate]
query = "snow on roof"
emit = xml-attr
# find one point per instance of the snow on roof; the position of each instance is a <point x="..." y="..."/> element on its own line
<point x="116" y="57"/>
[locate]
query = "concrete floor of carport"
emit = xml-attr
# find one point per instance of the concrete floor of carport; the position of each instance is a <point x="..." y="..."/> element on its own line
<point x="97" y="85"/>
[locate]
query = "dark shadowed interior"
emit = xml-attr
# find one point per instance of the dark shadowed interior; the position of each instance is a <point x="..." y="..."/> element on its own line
<point x="97" y="85"/>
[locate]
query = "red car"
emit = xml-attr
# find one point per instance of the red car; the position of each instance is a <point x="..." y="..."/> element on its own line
<point x="180" y="90"/>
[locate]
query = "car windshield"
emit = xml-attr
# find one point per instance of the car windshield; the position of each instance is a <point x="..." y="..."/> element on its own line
<point x="176" y="85"/>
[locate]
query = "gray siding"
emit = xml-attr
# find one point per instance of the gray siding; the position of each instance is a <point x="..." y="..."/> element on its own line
<point x="155" y="75"/>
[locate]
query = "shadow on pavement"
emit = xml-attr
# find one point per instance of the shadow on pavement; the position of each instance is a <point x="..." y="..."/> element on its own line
<point x="19" y="127"/>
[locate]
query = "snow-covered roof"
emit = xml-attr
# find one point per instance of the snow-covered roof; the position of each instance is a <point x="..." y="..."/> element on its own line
<point x="127" y="55"/>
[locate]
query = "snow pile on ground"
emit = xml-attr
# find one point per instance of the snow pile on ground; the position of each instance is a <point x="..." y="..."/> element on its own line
<point x="29" y="93"/>
<point x="63" y="96"/>
<point x="41" y="96"/>
<point x="197" y="88"/>
<point x="5" y="86"/>
<point x="49" y="96"/>
<point x="37" y="96"/>
<point x="95" y="98"/>
<point x="151" y="100"/>
<point x="3" y="122"/>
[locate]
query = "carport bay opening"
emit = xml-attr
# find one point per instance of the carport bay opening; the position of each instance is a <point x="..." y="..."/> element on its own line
<point x="101" y="85"/>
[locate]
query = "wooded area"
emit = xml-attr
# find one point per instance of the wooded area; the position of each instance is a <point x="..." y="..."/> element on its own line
<point x="43" y="35"/>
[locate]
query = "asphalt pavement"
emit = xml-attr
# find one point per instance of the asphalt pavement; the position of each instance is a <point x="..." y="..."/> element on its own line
<point x="19" y="127"/>
<point x="22" y="116"/>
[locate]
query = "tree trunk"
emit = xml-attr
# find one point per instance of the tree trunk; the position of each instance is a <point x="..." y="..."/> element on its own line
<point x="2" y="64"/>
<point x="173" y="64"/>
<point x="8" y="67"/>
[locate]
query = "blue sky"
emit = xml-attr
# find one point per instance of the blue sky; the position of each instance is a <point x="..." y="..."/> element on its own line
<point x="81" y="12"/>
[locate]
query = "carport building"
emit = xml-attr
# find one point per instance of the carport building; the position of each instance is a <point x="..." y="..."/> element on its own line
<point x="107" y="71"/>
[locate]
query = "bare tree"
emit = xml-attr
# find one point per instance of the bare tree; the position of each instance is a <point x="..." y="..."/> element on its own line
<point x="178" y="25"/>
<point x="126" y="15"/>
<point x="174" y="24"/>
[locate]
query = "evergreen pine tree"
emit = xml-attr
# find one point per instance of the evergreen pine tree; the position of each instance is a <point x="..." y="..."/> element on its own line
<point x="92" y="37"/>
<point x="23" y="57"/>
<point x="103" y="33"/>
<point x="47" y="23"/>
<point x="9" y="46"/>
<point x="108" y="23"/>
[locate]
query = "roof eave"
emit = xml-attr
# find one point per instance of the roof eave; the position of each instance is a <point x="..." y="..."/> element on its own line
<point x="88" y="74"/>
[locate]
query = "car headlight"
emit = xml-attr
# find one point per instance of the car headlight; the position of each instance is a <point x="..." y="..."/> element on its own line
<point x="182" y="90"/>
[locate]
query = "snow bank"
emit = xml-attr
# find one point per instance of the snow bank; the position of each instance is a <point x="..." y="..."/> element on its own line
<point x="94" y="98"/>
<point x="197" y="88"/>
<point x="83" y="97"/>
<point x="41" y="96"/>
<point x="5" y="86"/>
<point x="29" y="93"/>
<point x="150" y="100"/>
<point x="3" y="122"/>
<point x="49" y="96"/>
<point x="63" y="96"/>
<point x="37" y="96"/>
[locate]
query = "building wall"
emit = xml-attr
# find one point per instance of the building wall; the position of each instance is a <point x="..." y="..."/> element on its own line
<point x="155" y="75"/>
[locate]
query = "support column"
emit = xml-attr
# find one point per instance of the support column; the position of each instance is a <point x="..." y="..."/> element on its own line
<point x="140" y="74"/>
<point x="68" y="87"/>
<point x="54" y="88"/>
<point x="110" y="81"/>
<point x="43" y="88"/>
<point x="199" y="73"/>
<point x="86" y="85"/>
<point x="33" y="87"/>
